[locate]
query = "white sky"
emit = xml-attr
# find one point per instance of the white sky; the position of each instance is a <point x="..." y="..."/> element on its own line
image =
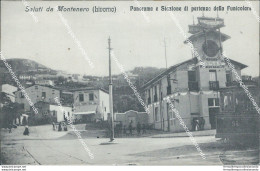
<point x="135" y="42"/>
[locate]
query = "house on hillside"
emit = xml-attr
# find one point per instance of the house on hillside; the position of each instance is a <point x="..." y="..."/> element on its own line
<point x="37" y="93"/>
<point x="44" y="82"/>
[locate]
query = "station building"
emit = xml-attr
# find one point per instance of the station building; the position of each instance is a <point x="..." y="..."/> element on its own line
<point x="193" y="85"/>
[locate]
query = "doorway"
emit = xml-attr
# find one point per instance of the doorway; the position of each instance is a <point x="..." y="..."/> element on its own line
<point x="212" y="117"/>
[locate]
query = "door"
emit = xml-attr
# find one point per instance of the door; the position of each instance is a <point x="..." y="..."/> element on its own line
<point x="212" y="117"/>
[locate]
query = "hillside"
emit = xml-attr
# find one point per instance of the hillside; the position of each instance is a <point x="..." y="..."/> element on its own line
<point x="124" y="98"/>
<point x="24" y="65"/>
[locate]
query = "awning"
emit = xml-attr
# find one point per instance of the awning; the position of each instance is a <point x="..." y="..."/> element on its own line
<point x="85" y="113"/>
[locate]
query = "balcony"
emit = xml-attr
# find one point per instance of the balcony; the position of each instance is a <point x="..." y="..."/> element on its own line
<point x="246" y="82"/>
<point x="193" y="86"/>
<point x="169" y="91"/>
<point x="214" y="85"/>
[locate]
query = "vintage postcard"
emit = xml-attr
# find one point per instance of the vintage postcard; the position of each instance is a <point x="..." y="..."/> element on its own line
<point x="124" y="83"/>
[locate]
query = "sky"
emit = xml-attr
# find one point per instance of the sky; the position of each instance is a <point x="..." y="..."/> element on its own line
<point x="135" y="41"/>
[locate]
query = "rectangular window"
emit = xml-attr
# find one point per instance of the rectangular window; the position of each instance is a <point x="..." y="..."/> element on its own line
<point x="36" y="87"/>
<point x="81" y="97"/>
<point x="228" y="77"/>
<point x="213" y="102"/>
<point x="54" y="113"/>
<point x="157" y="117"/>
<point x="43" y="95"/>
<point x="170" y="111"/>
<point x="191" y="75"/>
<point x="149" y="97"/>
<point x="155" y="94"/>
<point x="169" y="88"/>
<point x="212" y="75"/>
<point x="91" y="97"/>
<point x="172" y="114"/>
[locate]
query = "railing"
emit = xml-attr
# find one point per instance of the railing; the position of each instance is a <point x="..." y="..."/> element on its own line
<point x="246" y="82"/>
<point x="214" y="85"/>
<point x="193" y="86"/>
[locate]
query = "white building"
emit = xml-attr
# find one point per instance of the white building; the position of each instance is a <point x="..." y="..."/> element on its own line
<point x="9" y="91"/>
<point x="91" y="104"/>
<point x="44" y="82"/>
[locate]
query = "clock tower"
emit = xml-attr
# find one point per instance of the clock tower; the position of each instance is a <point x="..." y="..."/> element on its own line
<point x="207" y="40"/>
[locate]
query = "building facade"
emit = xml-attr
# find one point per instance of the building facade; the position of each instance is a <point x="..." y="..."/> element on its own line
<point x="9" y="91"/>
<point x="90" y="104"/>
<point x="37" y="93"/>
<point x="52" y="112"/>
<point x="193" y="85"/>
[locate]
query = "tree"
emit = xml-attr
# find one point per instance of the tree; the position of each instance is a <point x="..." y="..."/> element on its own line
<point x="9" y="111"/>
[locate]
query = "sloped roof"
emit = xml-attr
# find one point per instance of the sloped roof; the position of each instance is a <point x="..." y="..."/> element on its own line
<point x="88" y="88"/>
<point x="242" y="66"/>
<point x="166" y="72"/>
<point x="174" y="67"/>
<point x="224" y="37"/>
<point x="51" y="87"/>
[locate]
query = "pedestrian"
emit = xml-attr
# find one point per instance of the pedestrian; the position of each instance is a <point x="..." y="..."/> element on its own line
<point x="202" y="123"/>
<point x="143" y="128"/>
<point x="193" y="123"/>
<point x="130" y="127"/>
<point x="197" y="125"/>
<point x="10" y="128"/>
<point x="53" y="126"/>
<point x="65" y="127"/>
<point x="26" y="131"/>
<point x="59" y="128"/>
<point x="138" y="128"/>
<point x="124" y="130"/>
<point x="120" y="128"/>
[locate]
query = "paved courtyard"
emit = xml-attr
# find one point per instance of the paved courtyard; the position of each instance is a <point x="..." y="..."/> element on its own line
<point x="47" y="147"/>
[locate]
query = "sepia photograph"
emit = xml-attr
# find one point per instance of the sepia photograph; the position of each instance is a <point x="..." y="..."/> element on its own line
<point x="129" y="83"/>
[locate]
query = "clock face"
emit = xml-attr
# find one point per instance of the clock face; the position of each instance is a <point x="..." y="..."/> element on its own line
<point x="210" y="48"/>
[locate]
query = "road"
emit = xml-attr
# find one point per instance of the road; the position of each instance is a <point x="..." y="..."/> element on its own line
<point x="47" y="147"/>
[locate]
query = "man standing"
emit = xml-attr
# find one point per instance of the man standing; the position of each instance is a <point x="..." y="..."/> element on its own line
<point x="10" y="128"/>
<point x="202" y="123"/>
<point x="130" y="127"/>
<point x="143" y="128"/>
<point x="53" y="126"/>
<point x="59" y="128"/>
<point x="138" y="128"/>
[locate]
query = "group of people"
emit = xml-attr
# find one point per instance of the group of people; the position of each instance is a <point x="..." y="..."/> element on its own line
<point x="128" y="130"/>
<point x="62" y="125"/>
<point x="198" y="124"/>
<point x="140" y="127"/>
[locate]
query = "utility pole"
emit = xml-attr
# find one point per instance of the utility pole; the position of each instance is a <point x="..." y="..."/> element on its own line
<point x="110" y="92"/>
<point x="165" y="52"/>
